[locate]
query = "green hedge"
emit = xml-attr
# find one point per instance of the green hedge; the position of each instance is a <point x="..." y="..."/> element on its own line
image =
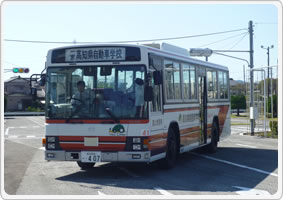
<point x="274" y="127"/>
<point x="32" y="109"/>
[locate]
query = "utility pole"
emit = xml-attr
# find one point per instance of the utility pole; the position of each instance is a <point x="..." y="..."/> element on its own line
<point x="245" y="80"/>
<point x="268" y="93"/>
<point x="251" y="78"/>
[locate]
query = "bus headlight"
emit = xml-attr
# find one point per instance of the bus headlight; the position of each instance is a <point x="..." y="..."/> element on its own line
<point x="50" y="139"/>
<point x="51" y="145"/>
<point x="136" y="147"/>
<point x="136" y="140"/>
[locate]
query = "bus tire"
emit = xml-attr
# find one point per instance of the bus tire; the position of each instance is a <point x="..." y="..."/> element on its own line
<point x="212" y="147"/>
<point x="85" y="166"/>
<point x="171" y="151"/>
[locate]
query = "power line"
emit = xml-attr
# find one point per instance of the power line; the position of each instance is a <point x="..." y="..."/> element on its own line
<point x="239" y="41"/>
<point x="158" y="39"/>
<point x="222" y="40"/>
<point x="11" y="63"/>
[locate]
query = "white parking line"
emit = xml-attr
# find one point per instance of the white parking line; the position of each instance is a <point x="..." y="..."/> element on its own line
<point x="162" y="191"/>
<point x="101" y="194"/>
<point x="13" y="136"/>
<point x="250" y="191"/>
<point x="36" y="122"/>
<point x="42" y="148"/>
<point x="21" y="137"/>
<point x="7" y="131"/>
<point x="244" y="145"/>
<point x="235" y="164"/>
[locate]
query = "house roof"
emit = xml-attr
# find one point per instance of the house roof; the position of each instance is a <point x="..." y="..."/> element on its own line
<point x="15" y="78"/>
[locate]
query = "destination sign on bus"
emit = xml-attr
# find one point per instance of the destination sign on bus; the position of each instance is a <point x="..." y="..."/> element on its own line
<point x="95" y="54"/>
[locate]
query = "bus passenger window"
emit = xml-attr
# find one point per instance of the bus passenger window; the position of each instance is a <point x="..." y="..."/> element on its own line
<point x="193" y="82"/>
<point x="211" y="85"/>
<point x="186" y="81"/>
<point x="223" y="84"/>
<point x="189" y="81"/>
<point x="172" y="80"/>
<point x="155" y="104"/>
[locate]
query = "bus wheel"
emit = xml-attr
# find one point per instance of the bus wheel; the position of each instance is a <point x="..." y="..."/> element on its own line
<point x="212" y="147"/>
<point x="85" y="166"/>
<point x="171" y="151"/>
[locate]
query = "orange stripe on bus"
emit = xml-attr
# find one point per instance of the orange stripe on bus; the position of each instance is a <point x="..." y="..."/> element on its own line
<point x="188" y="130"/>
<point x="190" y="138"/>
<point x="158" y="145"/>
<point x="90" y="121"/>
<point x="157" y="137"/>
<point x="180" y="109"/>
<point x="103" y="147"/>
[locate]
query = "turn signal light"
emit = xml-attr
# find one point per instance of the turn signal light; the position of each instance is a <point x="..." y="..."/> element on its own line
<point x="43" y="141"/>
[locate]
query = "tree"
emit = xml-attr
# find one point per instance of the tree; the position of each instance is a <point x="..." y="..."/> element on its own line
<point x="238" y="102"/>
<point x="274" y="99"/>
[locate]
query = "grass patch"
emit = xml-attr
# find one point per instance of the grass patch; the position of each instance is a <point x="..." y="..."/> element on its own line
<point x="240" y="116"/>
<point x="261" y="134"/>
<point x="236" y="124"/>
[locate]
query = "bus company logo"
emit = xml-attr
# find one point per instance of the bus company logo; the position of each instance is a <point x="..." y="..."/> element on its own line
<point x="117" y="130"/>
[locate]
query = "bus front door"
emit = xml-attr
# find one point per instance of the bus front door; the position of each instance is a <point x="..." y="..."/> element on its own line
<point x="203" y="109"/>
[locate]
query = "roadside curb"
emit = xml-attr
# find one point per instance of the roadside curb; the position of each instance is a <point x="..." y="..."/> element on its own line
<point x="24" y="113"/>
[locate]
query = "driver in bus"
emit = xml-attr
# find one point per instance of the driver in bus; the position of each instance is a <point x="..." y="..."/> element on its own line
<point x="81" y="99"/>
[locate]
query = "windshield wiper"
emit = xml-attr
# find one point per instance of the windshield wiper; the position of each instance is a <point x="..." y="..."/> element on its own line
<point x="112" y="115"/>
<point x="74" y="113"/>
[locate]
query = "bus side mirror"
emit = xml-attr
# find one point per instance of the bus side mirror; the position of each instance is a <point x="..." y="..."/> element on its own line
<point x="42" y="80"/>
<point x="34" y="93"/>
<point x="157" y="78"/>
<point x="148" y="93"/>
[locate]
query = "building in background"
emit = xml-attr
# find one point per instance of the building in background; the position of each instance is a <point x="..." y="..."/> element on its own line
<point x="18" y="96"/>
<point x="237" y="87"/>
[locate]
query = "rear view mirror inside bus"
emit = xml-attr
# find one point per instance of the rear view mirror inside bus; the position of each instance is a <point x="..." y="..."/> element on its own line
<point x="148" y="93"/>
<point x="157" y="78"/>
<point x="105" y="71"/>
<point x="89" y="71"/>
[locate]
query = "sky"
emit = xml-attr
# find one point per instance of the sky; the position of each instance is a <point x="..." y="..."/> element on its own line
<point x="133" y="21"/>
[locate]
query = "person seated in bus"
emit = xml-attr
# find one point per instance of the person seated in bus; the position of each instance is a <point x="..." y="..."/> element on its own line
<point x="81" y="99"/>
<point x="139" y="96"/>
<point x="104" y="99"/>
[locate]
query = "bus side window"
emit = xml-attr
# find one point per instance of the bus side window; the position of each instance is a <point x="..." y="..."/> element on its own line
<point x="223" y="85"/>
<point x="172" y="80"/>
<point x="156" y="102"/>
<point x="212" y="85"/>
<point x="193" y="82"/>
<point x="189" y="81"/>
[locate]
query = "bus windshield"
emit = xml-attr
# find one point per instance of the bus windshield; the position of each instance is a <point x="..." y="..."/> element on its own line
<point x="96" y="92"/>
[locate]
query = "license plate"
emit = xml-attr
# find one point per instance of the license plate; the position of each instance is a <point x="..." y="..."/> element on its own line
<point x="91" y="156"/>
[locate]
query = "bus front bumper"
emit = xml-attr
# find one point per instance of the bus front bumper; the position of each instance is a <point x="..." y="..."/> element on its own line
<point x="121" y="156"/>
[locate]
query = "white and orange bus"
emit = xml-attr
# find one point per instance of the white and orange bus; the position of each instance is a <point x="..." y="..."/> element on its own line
<point x="140" y="103"/>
